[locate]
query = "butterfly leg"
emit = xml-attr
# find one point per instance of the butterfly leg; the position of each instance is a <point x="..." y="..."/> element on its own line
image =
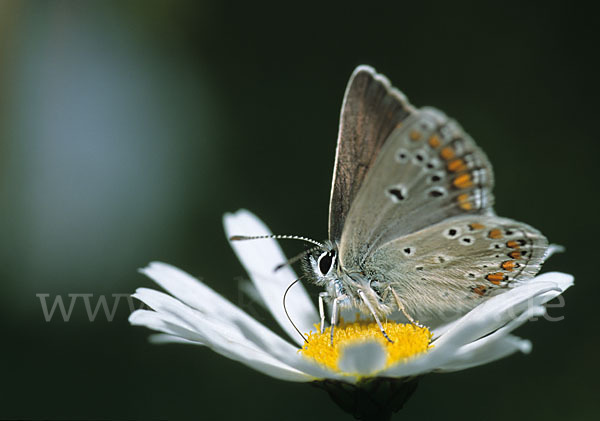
<point x="335" y="313"/>
<point x="403" y="310"/>
<point x="372" y="310"/>
<point x="322" y="296"/>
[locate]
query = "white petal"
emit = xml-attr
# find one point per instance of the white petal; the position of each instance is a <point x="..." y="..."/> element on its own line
<point x="214" y="307"/>
<point x="419" y="364"/>
<point x="553" y="249"/>
<point x="165" y="338"/>
<point x="488" y="353"/>
<point x="248" y="288"/>
<point x="193" y="320"/>
<point x="562" y="280"/>
<point x="498" y="310"/>
<point x="238" y="351"/>
<point x="217" y="331"/>
<point x="493" y="346"/>
<point x="363" y="358"/>
<point x="316" y="370"/>
<point x="162" y="323"/>
<point x="435" y="358"/>
<point x="559" y="282"/>
<point x="260" y="257"/>
<point x="486" y="318"/>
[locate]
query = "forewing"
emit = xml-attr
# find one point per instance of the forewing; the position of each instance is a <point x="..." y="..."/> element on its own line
<point x="428" y="170"/>
<point x="450" y="267"/>
<point x="371" y="110"/>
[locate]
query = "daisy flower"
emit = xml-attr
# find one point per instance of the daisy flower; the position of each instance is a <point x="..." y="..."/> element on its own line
<point x="365" y="374"/>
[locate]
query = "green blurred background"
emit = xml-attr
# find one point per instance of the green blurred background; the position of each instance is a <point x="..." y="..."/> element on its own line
<point x="129" y="128"/>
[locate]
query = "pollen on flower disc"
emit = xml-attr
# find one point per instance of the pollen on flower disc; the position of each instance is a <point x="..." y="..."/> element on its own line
<point x="409" y="340"/>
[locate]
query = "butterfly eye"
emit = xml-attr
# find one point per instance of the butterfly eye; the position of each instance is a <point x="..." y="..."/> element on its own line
<point x="326" y="262"/>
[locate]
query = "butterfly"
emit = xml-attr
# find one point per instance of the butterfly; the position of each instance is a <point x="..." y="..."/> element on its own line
<point x="411" y="222"/>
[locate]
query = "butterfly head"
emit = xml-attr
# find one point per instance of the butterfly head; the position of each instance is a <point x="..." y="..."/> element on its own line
<point x="321" y="264"/>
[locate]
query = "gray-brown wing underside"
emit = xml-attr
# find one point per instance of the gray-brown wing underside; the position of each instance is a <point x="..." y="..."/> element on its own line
<point x="427" y="171"/>
<point x="371" y="110"/>
<point x="449" y="268"/>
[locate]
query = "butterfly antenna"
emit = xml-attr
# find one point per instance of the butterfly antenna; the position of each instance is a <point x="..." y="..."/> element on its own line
<point x="296" y="258"/>
<point x="276" y="237"/>
<point x="286" y="312"/>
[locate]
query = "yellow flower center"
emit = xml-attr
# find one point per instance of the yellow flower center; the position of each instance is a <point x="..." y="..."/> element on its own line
<point x="409" y="340"/>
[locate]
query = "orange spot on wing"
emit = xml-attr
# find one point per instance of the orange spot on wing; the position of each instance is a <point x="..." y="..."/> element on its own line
<point x="479" y="290"/>
<point x="495" y="278"/>
<point x="463" y="202"/>
<point x="434" y="141"/>
<point x="508" y="265"/>
<point x="447" y="153"/>
<point x="415" y="135"/>
<point x="457" y="165"/>
<point x="512" y="244"/>
<point x="476" y="226"/>
<point x="515" y="254"/>
<point x="463" y="181"/>
<point x="495" y="234"/>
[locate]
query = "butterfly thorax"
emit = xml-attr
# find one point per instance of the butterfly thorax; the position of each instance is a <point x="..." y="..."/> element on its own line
<point x="325" y="268"/>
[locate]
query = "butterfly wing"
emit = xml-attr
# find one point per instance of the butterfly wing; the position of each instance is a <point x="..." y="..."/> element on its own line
<point x="371" y="110"/>
<point x="428" y="170"/>
<point x="450" y="267"/>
